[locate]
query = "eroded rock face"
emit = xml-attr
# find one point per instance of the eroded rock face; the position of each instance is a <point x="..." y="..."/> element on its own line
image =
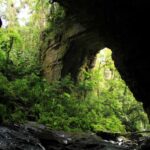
<point x="91" y="25"/>
<point x="70" y="49"/>
<point x="18" y="138"/>
<point x="34" y="136"/>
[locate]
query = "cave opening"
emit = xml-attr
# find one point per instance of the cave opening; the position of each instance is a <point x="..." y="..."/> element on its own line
<point x="113" y="94"/>
<point x="52" y="76"/>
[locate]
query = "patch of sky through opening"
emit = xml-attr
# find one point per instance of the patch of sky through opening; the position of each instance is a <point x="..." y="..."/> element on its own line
<point x="23" y="15"/>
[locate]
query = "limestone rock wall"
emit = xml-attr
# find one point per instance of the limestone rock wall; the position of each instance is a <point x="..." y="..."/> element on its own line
<point x="54" y="50"/>
<point x="71" y="48"/>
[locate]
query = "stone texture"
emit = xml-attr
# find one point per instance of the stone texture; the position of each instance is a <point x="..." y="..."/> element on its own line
<point x="34" y="136"/>
<point x="91" y="25"/>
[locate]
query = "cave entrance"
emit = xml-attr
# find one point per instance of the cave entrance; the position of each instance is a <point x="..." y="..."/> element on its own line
<point x="114" y="95"/>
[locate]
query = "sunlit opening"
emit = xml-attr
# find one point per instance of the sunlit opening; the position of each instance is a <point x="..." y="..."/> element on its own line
<point x="115" y="96"/>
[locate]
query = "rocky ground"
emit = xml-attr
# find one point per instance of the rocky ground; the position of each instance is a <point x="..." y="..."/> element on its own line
<point x="33" y="136"/>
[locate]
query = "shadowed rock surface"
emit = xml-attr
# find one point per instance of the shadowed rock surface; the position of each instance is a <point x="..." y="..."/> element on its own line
<point x="16" y="138"/>
<point x="0" y="22"/>
<point x="33" y="136"/>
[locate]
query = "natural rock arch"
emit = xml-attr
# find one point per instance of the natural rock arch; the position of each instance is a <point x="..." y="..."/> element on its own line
<point x="91" y="25"/>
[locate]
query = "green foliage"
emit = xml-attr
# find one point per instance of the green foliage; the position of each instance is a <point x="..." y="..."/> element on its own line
<point x="99" y="101"/>
<point x="3" y="112"/>
<point x="18" y="116"/>
<point x="65" y="105"/>
<point x="57" y="13"/>
<point x="2" y="59"/>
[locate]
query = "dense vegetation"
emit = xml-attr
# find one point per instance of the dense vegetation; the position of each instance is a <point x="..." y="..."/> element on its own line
<point x="100" y="100"/>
